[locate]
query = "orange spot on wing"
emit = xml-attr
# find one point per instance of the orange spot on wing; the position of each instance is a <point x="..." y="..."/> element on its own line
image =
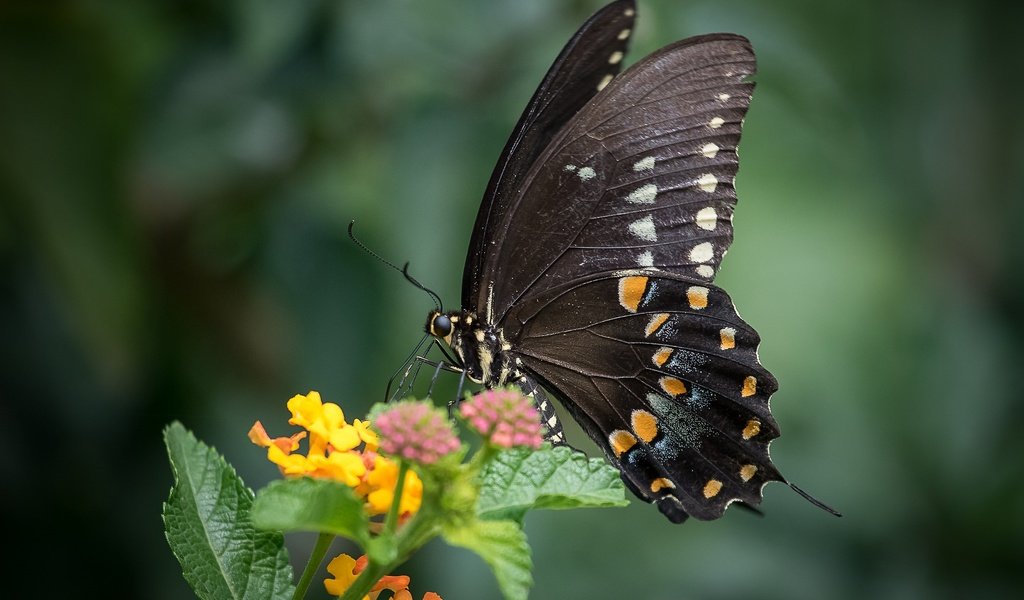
<point x="621" y="441"/>
<point x="728" y="335"/>
<point x="711" y="488"/>
<point x="752" y="428"/>
<point x="662" y="484"/>
<point x="661" y="356"/>
<point x="747" y="471"/>
<point x="672" y="386"/>
<point x="655" y="323"/>
<point x="749" y="387"/>
<point x="631" y="292"/>
<point x="697" y="296"/>
<point x="645" y="425"/>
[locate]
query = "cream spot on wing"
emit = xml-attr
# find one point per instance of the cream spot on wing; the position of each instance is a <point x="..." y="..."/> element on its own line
<point x="710" y="150"/>
<point x="644" y="229"/>
<point x="604" y="82"/>
<point x="629" y="12"/>
<point x="724" y="97"/>
<point x="728" y="338"/>
<point x="747" y="472"/>
<point x="707" y="218"/>
<point x="615" y="58"/>
<point x="705" y="271"/>
<point x="586" y="173"/>
<point x="624" y="34"/>
<point x="646" y="259"/>
<point x="570" y="168"/>
<point x="644" y="164"/>
<point x="707" y="182"/>
<point x="643" y="195"/>
<point x="697" y="296"/>
<point x="716" y="122"/>
<point x="702" y="252"/>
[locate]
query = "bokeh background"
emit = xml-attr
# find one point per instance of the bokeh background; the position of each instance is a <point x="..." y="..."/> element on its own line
<point x="176" y="178"/>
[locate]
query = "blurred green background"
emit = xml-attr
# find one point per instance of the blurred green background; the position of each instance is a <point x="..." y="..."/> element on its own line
<point x="175" y="183"/>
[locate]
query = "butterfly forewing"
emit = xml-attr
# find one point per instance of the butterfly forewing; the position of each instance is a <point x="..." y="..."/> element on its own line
<point x="641" y="177"/>
<point x="587" y="63"/>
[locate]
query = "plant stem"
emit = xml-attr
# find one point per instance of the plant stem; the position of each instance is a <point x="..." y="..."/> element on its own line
<point x="323" y="542"/>
<point x="391" y="523"/>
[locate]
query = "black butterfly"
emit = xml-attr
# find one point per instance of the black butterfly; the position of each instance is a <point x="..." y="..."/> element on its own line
<point x="590" y="269"/>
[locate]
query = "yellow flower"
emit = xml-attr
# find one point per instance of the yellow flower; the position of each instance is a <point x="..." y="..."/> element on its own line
<point x="366" y="434"/>
<point x="381" y="482"/>
<point x="318" y="417"/>
<point x="333" y="453"/>
<point x="343" y="568"/>
<point x="346" y="467"/>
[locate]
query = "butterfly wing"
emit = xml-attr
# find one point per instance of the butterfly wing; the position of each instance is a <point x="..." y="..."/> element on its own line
<point x="606" y="263"/>
<point x="642" y="177"/>
<point x="588" y="61"/>
<point x="663" y="374"/>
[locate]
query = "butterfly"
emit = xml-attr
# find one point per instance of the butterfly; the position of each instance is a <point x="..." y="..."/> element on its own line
<point x="590" y="271"/>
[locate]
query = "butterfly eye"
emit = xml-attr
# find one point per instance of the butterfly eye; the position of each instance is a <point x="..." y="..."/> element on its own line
<point x="441" y="326"/>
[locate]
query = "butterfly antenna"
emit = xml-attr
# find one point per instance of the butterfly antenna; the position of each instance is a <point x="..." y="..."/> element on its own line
<point x="412" y="280"/>
<point x="815" y="501"/>
<point x="404" y="270"/>
<point x="352" y="236"/>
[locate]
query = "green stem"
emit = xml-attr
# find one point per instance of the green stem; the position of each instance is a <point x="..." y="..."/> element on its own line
<point x="391" y="523"/>
<point x="315" y="558"/>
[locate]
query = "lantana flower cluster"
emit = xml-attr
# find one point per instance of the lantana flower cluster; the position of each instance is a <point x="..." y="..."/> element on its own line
<point x="416" y="431"/>
<point x="505" y="418"/>
<point x="340" y="451"/>
<point x="404" y="432"/>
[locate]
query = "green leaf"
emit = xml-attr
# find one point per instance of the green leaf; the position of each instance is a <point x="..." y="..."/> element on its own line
<point x="309" y="504"/>
<point x="521" y="479"/>
<point x="502" y="545"/>
<point x="207" y="524"/>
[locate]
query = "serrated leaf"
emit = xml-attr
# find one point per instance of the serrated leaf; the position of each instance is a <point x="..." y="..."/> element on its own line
<point x="521" y="479"/>
<point x="502" y="545"/>
<point x="206" y="519"/>
<point x="309" y="504"/>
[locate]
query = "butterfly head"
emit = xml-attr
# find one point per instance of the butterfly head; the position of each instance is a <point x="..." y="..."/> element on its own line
<point x="441" y="325"/>
<point x="478" y="347"/>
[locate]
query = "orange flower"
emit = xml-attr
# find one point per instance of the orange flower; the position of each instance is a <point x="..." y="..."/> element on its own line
<point x="346" y="569"/>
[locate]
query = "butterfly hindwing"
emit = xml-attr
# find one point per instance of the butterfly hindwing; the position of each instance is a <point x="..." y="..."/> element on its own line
<point x="664" y="375"/>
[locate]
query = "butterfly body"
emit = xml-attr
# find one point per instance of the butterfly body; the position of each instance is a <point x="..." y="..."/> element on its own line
<point x="590" y="270"/>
